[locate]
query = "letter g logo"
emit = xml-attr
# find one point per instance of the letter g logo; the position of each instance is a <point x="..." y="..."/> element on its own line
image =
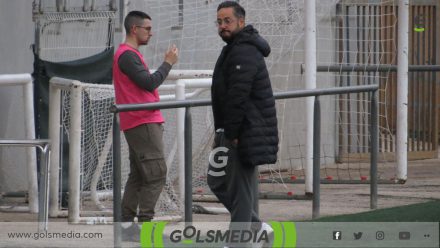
<point x="223" y="161"/>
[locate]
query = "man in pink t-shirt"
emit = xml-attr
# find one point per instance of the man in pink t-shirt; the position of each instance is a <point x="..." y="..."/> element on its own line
<point x="143" y="130"/>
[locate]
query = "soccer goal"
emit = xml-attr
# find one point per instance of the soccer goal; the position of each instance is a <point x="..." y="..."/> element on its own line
<point x="9" y="167"/>
<point x="79" y="112"/>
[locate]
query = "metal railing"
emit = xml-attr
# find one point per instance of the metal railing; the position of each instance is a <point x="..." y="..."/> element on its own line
<point x="372" y="68"/>
<point x="43" y="187"/>
<point x="37" y="189"/>
<point x="188" y="104"/>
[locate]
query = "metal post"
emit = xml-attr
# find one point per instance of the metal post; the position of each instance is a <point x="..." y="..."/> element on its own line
<point x="316" y="157"/>
<point x="310" y="81"/>
<point x="54" y="136"/>
<point x="43" y="214"/>
<point x="402" y="92"/>
<point x="180" y="128"/>
<point x="42" y="177"/>
<point x="42" y="188"/>
<point x="180" y="13"/>
<point x="75" y="151"/>
<point x="116" y="182"/>
<point x="374" y="150"/>
<point x="28" y="96"/>
<point x="61" y="5"/>
<point x="40" y="6"/>
<point x="87" y="6"/>
<point x="113" y="5"/>
<point x="188" y="165"/>
<point x="36" y="46"/>
<point x="123" y="8"/>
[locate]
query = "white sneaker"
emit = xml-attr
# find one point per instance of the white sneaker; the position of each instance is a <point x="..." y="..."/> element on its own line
<point x="265" y="227"/>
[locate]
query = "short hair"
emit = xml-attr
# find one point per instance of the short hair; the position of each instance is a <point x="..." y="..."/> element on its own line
<point x="239" y="11"/>
<point x="134" y="18"/>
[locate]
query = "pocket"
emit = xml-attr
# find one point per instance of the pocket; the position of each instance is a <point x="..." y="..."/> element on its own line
<point x="153" y="169"/>
<point x="161" y="168"/>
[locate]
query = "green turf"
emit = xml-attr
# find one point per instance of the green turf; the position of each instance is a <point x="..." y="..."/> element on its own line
<point x="421" y="212"/>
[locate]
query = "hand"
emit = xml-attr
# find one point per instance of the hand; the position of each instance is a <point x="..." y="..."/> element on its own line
<point x="171" y="55"/>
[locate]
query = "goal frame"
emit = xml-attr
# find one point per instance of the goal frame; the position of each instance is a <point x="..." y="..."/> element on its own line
<point x="25" y="81"/>
<point x="182" y="80"/>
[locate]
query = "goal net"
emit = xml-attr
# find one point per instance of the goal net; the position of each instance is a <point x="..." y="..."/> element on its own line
<point x="88" y="125"/>
<point x="349" y="33"/>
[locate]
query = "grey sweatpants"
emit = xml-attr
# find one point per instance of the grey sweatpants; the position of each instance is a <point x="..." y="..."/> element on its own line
<point x="235" y="185"/>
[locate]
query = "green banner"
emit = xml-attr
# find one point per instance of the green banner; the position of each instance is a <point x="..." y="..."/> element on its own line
<point x="154" y="234"/>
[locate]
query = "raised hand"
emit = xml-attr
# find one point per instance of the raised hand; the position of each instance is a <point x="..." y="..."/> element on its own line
<point x="172" y="55"/>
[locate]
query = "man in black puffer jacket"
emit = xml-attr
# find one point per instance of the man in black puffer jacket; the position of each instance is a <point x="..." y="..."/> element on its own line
<point x="244" y="115"/>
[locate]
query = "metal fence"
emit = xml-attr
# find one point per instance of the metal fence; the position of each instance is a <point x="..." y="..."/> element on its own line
<point x="188" y="104"/>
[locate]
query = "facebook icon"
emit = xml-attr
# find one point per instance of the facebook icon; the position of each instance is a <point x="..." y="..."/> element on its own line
<point x="337" y="235"/>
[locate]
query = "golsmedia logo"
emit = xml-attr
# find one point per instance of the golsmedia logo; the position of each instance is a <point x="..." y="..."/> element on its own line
<point x="152" y="235"/>
<point x="190" y="234"/>
<point x="223" y="161"/>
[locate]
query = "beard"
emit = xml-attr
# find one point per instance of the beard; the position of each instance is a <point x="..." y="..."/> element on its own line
<point x="227" y="35"/>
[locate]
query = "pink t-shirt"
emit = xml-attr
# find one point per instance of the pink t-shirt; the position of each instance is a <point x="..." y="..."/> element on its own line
<point x="127" y="92"/>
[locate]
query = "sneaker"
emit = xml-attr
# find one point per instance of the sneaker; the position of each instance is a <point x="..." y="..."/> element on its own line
<point x="270" y="234"/>
<point x="267" y="227"/>
<point x="131" y="233"/>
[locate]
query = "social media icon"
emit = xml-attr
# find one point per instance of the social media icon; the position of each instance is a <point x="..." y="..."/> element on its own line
<point x="380" y="235"/>
<point x="337" y="235"/>
<point x="357" y="235"/>
<point x="404" y="235"/>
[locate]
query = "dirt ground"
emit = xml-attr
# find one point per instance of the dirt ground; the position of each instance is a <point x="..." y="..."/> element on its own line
<point x="423" y="185"/>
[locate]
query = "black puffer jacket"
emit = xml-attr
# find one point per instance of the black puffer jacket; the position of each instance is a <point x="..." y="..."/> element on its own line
<point x="242" y="98"/>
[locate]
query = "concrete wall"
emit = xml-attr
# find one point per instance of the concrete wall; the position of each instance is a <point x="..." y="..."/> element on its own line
<point x="17" y="35"/>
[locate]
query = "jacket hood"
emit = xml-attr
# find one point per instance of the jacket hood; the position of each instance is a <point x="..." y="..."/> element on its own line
<point x="250" y="35"/>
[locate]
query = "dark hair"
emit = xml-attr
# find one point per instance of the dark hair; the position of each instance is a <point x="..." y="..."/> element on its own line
<point x="239" y="11"/>
<point x="134" y="18"/>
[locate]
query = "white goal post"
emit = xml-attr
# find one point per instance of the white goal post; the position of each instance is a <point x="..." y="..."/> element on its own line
<point x="25" y="81"/>
<point x="72" y="94"/>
